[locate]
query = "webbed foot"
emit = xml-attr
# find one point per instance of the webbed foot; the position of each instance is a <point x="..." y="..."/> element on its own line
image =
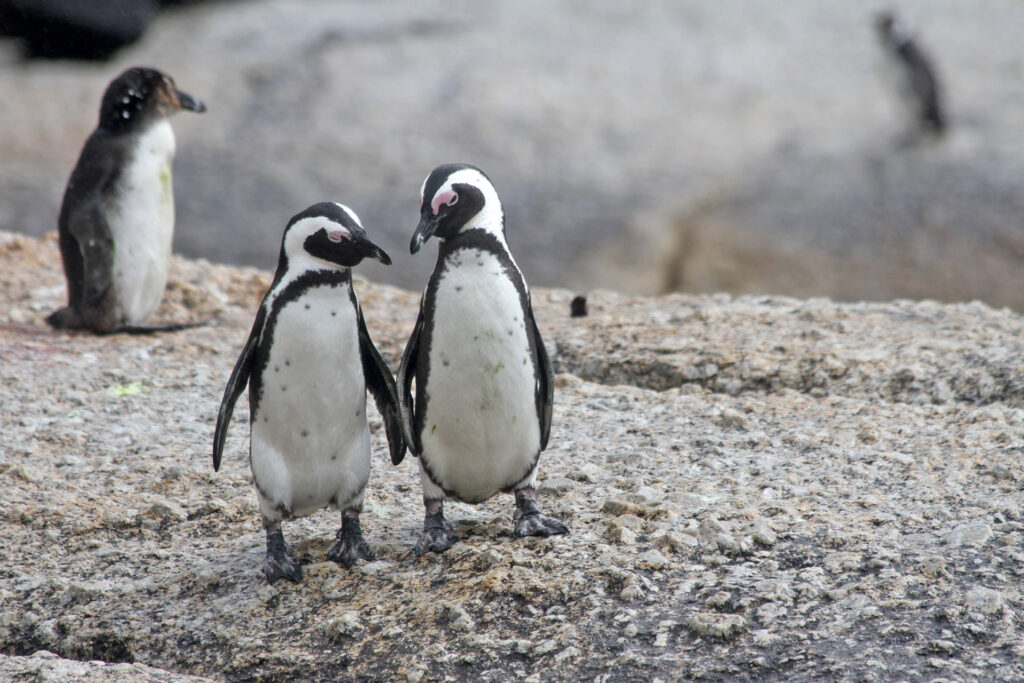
<point x="350" y="546"/>
<point x="437" y="535"/>
<point x="528" y="519"/>
<point x="281" y="562"/>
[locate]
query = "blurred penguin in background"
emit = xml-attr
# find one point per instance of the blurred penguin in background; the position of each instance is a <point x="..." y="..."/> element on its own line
<point x="918" y="84"/>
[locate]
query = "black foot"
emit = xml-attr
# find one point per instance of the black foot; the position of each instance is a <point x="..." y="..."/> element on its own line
<point x="437" y="535"/>
<point x="350" y="545"/>
<point x="281" y="562"/>
<point x="529" y="521"/>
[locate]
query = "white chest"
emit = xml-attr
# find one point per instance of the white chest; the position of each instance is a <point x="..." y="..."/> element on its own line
<point x="142" y="224"/>
<point x="481" y="427"/>
<point x="310" y="440"/>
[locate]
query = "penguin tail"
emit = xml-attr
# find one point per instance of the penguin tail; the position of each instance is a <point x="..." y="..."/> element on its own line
<point x="155" y="329"/>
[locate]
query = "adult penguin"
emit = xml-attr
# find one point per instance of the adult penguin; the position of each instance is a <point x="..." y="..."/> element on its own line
<point x="309" y="362"/>
<point x="484" y="385"/>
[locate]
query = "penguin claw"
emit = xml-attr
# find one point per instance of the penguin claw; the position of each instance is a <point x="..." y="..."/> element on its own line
<point x="437" y="536"/>
<point x="536" y="524"/>
<point x="349" y="549"/>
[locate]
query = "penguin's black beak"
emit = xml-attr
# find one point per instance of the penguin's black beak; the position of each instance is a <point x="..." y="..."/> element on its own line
<point x="428" y="224"/>
<point x="371" y="250"/>
<point x="189" y="102"/>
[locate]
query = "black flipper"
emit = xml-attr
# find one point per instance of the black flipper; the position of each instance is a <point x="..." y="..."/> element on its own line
<point x="86" y="240"/>
<point x="87" y="250"/>
<point x="406" y="373"/>
<point x="545" y="389"/>
<point x="239" y="378"/>
<point x="381" y="384"/>
<point x="96" y="244"/>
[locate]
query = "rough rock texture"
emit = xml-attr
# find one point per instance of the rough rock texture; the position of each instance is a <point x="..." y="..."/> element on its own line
<point x="733" y="147"/>
<point x="758" y="488"/>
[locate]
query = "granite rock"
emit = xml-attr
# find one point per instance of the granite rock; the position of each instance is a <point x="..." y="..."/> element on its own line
<point x="767" y="537"/>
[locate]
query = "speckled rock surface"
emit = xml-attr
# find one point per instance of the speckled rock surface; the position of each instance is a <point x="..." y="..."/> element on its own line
<point x="758" y="488"/>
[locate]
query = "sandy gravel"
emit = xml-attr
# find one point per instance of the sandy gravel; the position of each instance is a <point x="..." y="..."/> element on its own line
<point x="758" y="489"/>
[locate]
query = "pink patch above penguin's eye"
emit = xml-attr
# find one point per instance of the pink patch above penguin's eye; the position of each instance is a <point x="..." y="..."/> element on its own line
<point x="337" y="236"/>
<point x="447" y="197"/>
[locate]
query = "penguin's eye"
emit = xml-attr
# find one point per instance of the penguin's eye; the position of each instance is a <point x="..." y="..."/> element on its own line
<point x="338" y="235"/>
<point x="445" y="198"/>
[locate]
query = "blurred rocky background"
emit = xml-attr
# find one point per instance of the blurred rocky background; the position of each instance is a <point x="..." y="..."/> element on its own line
<point x="643" y="147"/>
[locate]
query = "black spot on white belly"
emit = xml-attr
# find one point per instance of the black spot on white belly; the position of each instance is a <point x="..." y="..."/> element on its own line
<point x="305" y="433"/>
<point x="334" y="313"/>
<point x="458" y="288"/>
<point x="277" y="368"/>
<point x="284" y="387"/>
<point x="288" y="363"/>
<point x="307" y="307"/>
<point x="334" y="456"/>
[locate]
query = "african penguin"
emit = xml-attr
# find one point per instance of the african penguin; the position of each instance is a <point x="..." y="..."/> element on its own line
<point x="920" y="86"/>
<point x="309" y="361"/>
<point x="484" y="384"/>
<point x="117" y="218"/>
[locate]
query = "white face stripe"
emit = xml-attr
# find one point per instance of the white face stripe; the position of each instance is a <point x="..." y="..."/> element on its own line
<point x="300" y="230"/>
<point x="471" y="176"/>
<point x="300" y="260"/>
<point x="351" y="214"/>
<point x="490" y="217"/>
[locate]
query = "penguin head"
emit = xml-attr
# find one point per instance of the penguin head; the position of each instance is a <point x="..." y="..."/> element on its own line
<point x="327" y="235"/>
<point x="140" y="96"/>
<point x="890" y="29"/>
<point x="457" y="197"/>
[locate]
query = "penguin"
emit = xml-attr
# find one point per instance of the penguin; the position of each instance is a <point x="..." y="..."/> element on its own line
<point x="484" y="384"/>
<point x="921" y="86"/>
<point x="116" y="221"/>
<point x="309" y="362"/>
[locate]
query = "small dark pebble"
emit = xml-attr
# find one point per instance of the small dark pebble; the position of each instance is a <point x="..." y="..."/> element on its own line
<point x="578" y="307"/>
